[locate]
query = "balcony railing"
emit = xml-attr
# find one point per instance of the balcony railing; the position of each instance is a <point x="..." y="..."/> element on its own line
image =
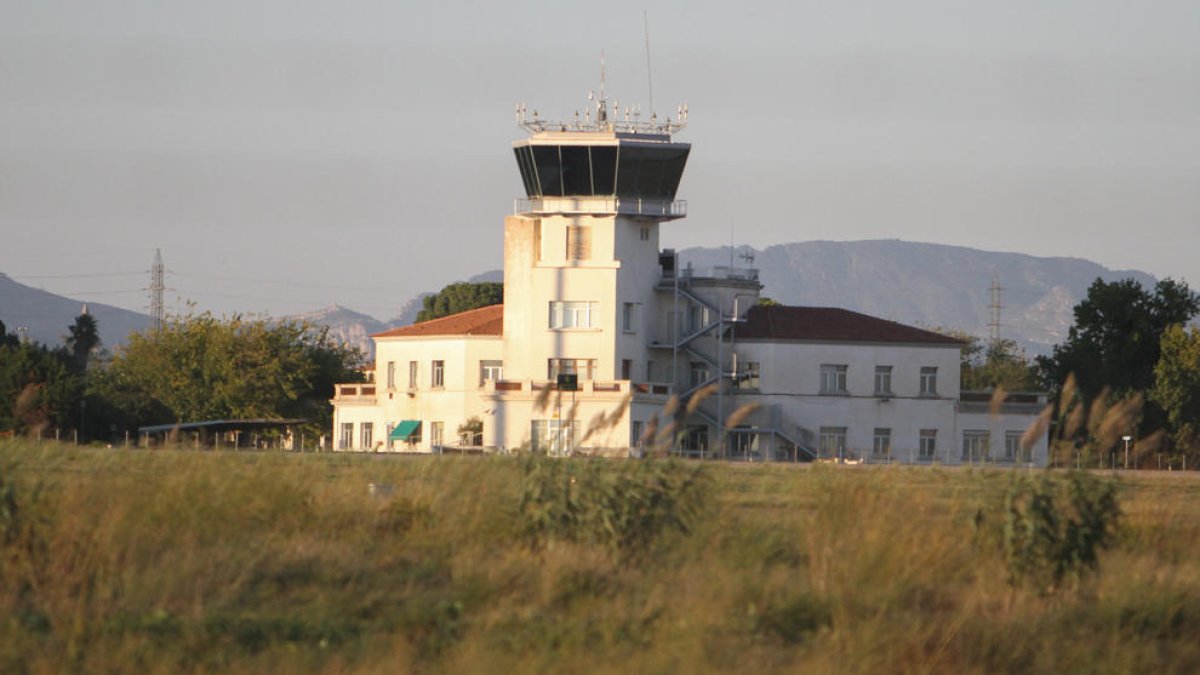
<point x="354" y="392"/>
<point x="632" y="206"/>
<point x="586" y="387"/>
<point x="1014" y="403"/>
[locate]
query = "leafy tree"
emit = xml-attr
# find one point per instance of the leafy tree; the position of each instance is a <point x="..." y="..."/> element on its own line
<point x="470" y="433"/>
<point x="460" y="297"/>
<point x="1117" y="334"/>
<point x="998" y="363"/>
<point x="201" y="368"/>
<point x="1116" y="340"/>
<point x="38" y="388"/>
<point x="986" y="364"/>
<point x="1177" y="384"/>
<point x="6" y="340"/>
<point x="83" y="338"/>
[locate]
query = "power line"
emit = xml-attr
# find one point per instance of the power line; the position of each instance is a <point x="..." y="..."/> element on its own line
<point x="116" y="292"/>
<point x="276" y="282"/>
<point x="78" y="276"/>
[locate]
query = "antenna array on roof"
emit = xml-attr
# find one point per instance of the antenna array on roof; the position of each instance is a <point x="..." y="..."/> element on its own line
<point x="627" y="120"/>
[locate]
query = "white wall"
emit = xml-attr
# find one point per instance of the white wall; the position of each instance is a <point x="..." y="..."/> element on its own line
<point x="460" y="398"/>
<point x="791" y="378"/>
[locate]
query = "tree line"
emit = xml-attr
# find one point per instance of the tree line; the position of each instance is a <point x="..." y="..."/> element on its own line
<point x="1129" y="366"/>
<point x="196" y="368"/>
<point x="1129" y="349"/>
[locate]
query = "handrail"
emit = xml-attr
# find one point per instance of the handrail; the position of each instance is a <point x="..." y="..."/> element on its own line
<point x="638" y="206"/>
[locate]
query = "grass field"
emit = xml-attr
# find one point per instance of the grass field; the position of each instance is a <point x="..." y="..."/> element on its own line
<point x="181" y="561"/>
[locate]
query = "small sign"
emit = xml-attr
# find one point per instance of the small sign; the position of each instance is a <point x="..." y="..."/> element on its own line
<point x="568" y="382"/>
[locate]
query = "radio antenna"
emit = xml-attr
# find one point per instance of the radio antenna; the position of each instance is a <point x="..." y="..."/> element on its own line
<point x="649" y="79"/>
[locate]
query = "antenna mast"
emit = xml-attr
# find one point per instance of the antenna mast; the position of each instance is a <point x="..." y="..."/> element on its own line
<point x="649" y="72"/>
<point x="607" y="119"/>
<point x="156" y="292"/>
<point x="602" y="75"/>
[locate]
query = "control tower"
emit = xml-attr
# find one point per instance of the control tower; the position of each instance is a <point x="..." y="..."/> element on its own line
<point x="581" y="250"/>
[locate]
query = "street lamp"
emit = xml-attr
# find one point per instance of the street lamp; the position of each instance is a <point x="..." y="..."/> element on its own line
<point x="1127" y="438"/>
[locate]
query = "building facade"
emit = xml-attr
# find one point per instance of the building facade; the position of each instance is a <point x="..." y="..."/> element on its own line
<point x="605" y="345"/>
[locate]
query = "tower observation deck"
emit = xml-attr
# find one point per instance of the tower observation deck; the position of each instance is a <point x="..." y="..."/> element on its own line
<point x="602" y="165"/>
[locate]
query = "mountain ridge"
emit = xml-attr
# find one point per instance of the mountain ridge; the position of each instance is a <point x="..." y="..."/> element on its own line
<point x="931" y="285"/>
<point x="47" y="317"/>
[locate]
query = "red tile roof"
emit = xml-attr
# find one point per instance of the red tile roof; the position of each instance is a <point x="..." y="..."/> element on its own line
<point x="830" y="324"/>
<point x="483" y="321"/>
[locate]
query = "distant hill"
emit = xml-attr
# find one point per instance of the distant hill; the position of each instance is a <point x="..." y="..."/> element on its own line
<point x="930" y="285"/>
<point x="47" y="316"/>
<point x="346" y="326"/>
<point x="356" y="328"/>
<point x="409" y="310"/>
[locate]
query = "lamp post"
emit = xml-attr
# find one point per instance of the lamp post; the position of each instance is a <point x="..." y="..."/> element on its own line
<point x="1127" y="438"/>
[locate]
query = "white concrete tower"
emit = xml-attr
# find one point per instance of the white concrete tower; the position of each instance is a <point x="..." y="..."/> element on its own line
<point x="581" y="252"/>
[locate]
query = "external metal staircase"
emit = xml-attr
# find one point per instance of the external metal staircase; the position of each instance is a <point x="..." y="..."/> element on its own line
<point x="768" y="422"/>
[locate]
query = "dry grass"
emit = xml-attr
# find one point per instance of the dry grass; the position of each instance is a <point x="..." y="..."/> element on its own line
<point x="166" y="562"/>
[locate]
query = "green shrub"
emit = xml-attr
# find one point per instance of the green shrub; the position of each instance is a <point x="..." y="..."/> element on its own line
<point x="624" y="506"/>
<point x="1055" y="527"/>
<point x="794" y="620"/>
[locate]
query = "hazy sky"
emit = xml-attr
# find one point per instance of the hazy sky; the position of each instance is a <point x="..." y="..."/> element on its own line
<point x="287" y="155"/>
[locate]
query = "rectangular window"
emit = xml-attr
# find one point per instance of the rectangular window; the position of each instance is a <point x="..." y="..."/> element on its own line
<point x="635" y="434"/>
<point x="883" y="380"/>
<point x="742" y="443"/>
<point x="928" y="446"/>
<point x="387" y="435"/>
<point x="626" y="369"/>
<point x="552" y="437"/>
<point x="571" y="314"/>
<point x="699" y="372"/>
<point x="883" y="442"/>
<point x="750" y="378"/>
<point x="629" y="317"/>
<point x="391" y="375"/>
<point x="367" y="432"/>
<point x="346" y="438"/>
<point x="831" y="442"/>
<point x="975" y="445"/>
<point x="435" y="434"/>
<point x="645" y="234"/>
<point x="438" y="371"/>
<point x="929" y="381"/>
<point x="833" y="379"/>
<point x="695" y="438"/>
<point x="1013" y="452"/>
<point x="583" y="368"/>
<point x="579" y="242"/>
<point x="412" y="374"/>
<point x="490" y="371"/>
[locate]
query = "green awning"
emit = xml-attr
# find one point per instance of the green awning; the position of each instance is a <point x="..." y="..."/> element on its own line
<point x="404" y="430"/>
